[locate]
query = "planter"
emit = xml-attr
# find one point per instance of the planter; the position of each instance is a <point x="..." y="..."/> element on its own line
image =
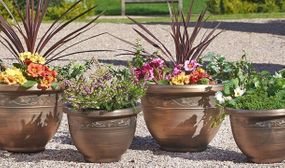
<point x="260" y="135"/>
<point x="180" y="118"/>
<point x="28" y="118"/>
<point x="102" y="136"/>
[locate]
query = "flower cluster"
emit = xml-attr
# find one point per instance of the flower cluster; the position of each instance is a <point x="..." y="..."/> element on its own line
<point x="155" y="70"/>
<point x="43" y="74"/>
<point x="28" y="57"/>
<point x="104" y="89"/>
<point x="32" y="71"/>
<point x="221" y="98"/>
<point x="193" y="73"/>
<point x="150" y="71"/>
<point x="12" y="76"/>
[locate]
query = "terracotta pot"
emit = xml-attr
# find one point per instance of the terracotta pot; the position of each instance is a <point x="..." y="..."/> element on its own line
<point x="28" y="118"/>
<point x="180" y="118"/>
<point x="260" y="135"/>
<point x="102" y="136"/>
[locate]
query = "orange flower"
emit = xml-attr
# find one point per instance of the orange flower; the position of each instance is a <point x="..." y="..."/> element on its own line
<point x="10" y="80"/>
<point x="35" y="70"/>
<point x="44" y="84"/>
<point x="48" y="72"/>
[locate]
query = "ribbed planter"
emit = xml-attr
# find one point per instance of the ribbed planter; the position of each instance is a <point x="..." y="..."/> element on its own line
<point x="28" y="118"/>
<point x="180" y="118"/>
<point x="260" y="135"/>
<point x="102" y="136"/>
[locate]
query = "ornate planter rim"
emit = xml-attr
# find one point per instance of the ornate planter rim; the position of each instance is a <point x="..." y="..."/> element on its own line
<point x="104" y="113"/>
<point x="168" y="89"/>
<point x="256" y="113"/>
<point x="18" y="88"/>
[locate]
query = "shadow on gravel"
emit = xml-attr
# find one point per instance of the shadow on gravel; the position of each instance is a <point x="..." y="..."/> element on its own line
<point x="275" y="27"/>
<point x="144" y="143"/>
<point x="62" y="137"/>
<point x="269" y="67"/>
<point x="69" y="155"/>
<point x="212" y="153"/>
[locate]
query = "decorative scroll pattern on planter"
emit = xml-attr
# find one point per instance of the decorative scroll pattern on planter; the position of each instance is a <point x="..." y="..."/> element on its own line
<point x="206" y="101"/>
<point x="280" y="123"/>
<point x="28" y="100"/>
<point x="117" y="123"/>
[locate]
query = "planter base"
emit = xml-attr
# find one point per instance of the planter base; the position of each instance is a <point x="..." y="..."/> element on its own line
<point x="24" y="150"/>
<point x="266" y="160"/>
<point x="99" y="160"/>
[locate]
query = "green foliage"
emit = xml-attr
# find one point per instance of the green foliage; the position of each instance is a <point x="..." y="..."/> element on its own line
<point x="4" y="13"/>
<point x="56" y="9"/>
<point x="245" y="6"/>
<point x="113" y="7"/>
<point x="106" y="89"/>
<point x="214" y="6"/>
<point x="222" y="70"/>
<point x="263" y="91"/>
<point x="73" y="70"/>
<point x="29" y="84"/>
<point x="259" y="100"/>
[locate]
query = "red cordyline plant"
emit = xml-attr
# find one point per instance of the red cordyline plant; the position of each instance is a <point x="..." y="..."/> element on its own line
<point x="188" y="49"/>
<point x="184" y="40"/>
<point x="19" y="38"/>
<point x="33" y="52"/>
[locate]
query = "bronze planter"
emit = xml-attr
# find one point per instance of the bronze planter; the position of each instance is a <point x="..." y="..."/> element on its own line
<point x="180" y="118"/>
<point x="28" y="118"/>
<point x="102" y="136"/>
<point x="260" y="135"/>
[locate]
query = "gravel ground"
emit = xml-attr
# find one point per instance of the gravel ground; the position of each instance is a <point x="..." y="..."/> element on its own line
<point x="263" y="40"/>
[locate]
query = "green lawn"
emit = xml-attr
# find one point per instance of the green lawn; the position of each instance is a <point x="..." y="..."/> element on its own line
<point x="211" y="18"/>
<point x="113" y="7"/>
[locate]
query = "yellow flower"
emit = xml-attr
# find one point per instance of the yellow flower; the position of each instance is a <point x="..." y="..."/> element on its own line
<point x="180" y="79"/>
<point x="201" y="70"/>
<point x="25" y="55"/>
<point x="41" y="59"/>
<point x="12" y="76"/>
<point x="35" y="58"/>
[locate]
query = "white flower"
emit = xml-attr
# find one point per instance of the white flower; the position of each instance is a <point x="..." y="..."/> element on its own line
<point x="277" y="75"/>
<point x="220" y="97"/>
<point x="228" y="98"/>
<point x="239" y="91"/>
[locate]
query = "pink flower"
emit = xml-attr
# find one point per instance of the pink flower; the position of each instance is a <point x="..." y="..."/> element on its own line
<point x="138" y="74"/>
<point x="191" y="65"/>
<point x="177" y="69"/>
<point x="157" y="63"/>
<point x="147" y="71"/>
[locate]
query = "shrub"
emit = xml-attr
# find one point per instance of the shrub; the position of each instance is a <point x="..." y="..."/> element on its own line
<point x="245" y="6"/>
<point x="4" y="13"/>
<point x="105" y="89"/>
<point x="214" y="6"/>
<point x="56" y="9"/>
